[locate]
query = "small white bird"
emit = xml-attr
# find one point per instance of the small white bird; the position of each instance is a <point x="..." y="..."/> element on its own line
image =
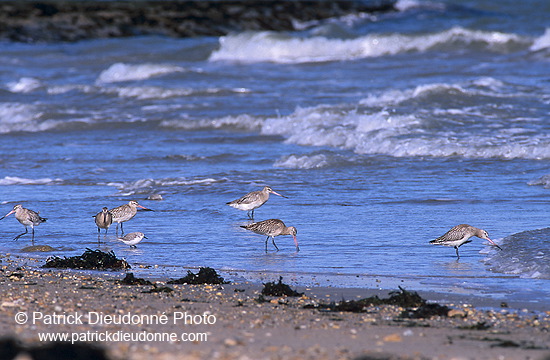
<point x="133" y="238"/>
<point x="460" y="235"/>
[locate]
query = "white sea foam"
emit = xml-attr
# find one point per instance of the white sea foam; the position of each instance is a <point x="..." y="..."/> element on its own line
<point x="14" y="180"/>
<point x="246" y="122"/>
<point x="127" y="72"/>
<point x="24" y="85"/>
<point x="266" y="46"/>
<point x="20" y="117"/>
<point x="542" y="42"/>
<point x="145" y="186"/>
<point x="542" y="181"/>
<point x="385" y="124"/>
<point x="156" y="92"/>
<point x="303" y="162"/>
<point x="524" y="254"/>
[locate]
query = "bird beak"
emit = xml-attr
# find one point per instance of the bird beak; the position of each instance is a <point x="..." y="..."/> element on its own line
<point x="296" y="243"/>
<point x="492" y="242"/>
<point x="276" y="193"/>
<point x="144" y="208"/>
<point x="8" y="214"/>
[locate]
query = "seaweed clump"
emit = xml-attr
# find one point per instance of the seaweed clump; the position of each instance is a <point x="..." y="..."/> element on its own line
<point x="279" y="289"/>
<point x="402" y="298"/>
<point x="11" y="348"/>
<point x="161" y="289"/>
<point x="89" y="260"/>
<point x="130" y="279"/>
<point x="206" y="275"/>
<point x="426" y="311"/>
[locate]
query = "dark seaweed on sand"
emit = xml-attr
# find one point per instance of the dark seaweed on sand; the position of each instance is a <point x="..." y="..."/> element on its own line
<point x="161" y="289"/>
<point x="403" y="298"/>
<point x="206" y="275"/>
<point x="89" y="260"/>
<point x="11" y="348"/>
<point x="279" y="289"/>
<point x="426" y="311"/>
<point x="130" y="279"/>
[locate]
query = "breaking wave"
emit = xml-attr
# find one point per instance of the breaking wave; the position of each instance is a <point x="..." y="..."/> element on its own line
<point x="542" y="181"/>
<point x="125" y="72"/>
<point x="266" y="46"/>
<point x="14" y="180"/>
<point x="151" y="186"/>
<point x="406" y="123"/>
<point x="525" y="254"/>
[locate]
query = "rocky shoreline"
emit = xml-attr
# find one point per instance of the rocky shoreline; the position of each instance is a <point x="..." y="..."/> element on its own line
<point x="107" y="317"/>
<point x="67" y="20"/>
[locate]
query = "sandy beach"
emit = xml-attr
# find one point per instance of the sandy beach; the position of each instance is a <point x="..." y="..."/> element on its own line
<point x="233" y="321"/>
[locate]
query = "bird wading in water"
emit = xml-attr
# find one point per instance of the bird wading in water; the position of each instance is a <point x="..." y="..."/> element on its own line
<point x="460" y="235"/>
<point x="272" y="228"/>
<point x="26" y="217"/>
<point x="253" y="200"/>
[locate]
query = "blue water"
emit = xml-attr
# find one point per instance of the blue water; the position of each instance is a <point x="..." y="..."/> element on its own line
<point x="383" y="132"/>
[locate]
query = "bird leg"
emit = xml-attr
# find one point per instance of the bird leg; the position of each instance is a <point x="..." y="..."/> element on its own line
<point x="273" y="241"/>
<point x="121" y="229"/>
<point x="266" y="240"/>
<point x="18" y="236"/>
<point x="458" y="256"/>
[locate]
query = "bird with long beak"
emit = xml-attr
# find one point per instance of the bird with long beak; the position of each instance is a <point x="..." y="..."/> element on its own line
<point x="103" y="220"/>
<point x="272" y="228"/>
<point x="460" y="235"/>
<point x="125" y="212"/>
<point x="253" y="200"/>
<point x="26" y="217"/>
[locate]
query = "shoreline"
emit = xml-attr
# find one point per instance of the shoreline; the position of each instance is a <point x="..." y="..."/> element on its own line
<point x="380" y="285"/>
<point x="244" y="328"/>
<point x="73" y="20"/>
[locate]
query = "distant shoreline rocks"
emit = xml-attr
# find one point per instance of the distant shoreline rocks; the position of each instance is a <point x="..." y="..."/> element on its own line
<point x="74" y="20"/>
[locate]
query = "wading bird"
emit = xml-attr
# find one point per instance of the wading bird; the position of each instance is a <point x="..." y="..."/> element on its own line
<point x="103" y="220"/>
<point x="253" y="200"/>
<point x="132" y="238"/>
<point x="125" y="212"/>
<point x="272" y="228"/>
<point x="460" y="235"/>
<point x="26" y="217"/>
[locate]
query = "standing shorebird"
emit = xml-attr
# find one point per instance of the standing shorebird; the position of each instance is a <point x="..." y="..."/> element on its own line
<point x="125" y="212"/>
<point x="253" y="200"/>
<point x="272" y="228"/>
<point x="460" y="235"/>
<point x="103" y="220"/>
<point x="133" y="238"/>
<point x="26" y="217"/>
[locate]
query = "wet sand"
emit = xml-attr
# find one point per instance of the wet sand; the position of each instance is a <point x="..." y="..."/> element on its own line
<point x="229" y="322"/>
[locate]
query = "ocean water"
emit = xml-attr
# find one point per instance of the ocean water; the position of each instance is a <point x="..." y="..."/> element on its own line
<point x="383" y="131"/>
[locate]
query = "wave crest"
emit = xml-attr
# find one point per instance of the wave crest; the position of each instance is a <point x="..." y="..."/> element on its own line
<point x="266" y="46"/>
<point x="125" y="72"/>
<point x="524" y="254"/>
<point x="14" y="180"/>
